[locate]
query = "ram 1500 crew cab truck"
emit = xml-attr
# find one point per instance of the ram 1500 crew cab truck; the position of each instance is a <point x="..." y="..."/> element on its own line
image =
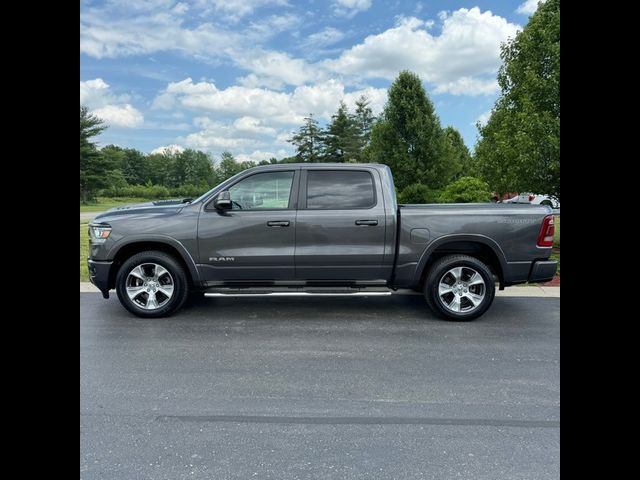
<point x="304" y="226"/>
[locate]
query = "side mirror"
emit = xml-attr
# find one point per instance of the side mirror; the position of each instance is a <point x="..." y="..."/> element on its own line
<point x="222" y="200"/>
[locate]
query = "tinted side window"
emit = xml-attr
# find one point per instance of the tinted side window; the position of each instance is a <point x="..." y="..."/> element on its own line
<point x="339" y="189"/>
<point x="262" y="191"/>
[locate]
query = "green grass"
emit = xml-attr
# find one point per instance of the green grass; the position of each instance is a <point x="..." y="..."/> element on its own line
<point x="84" y="251"/>
<point x="107" y="203"/>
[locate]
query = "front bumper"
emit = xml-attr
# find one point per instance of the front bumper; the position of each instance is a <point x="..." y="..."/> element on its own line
<point x="99" y="275"/>
<point x="543" y="271"/>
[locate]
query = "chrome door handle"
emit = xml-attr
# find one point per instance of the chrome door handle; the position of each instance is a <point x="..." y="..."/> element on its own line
<point x="278" y="224"/>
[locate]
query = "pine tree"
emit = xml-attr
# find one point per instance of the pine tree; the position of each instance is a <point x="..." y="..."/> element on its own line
<point x="308" y="141"/>
<point x="456" y="155"/>
<point x="92" y="165"/>
<point x="340" y="138"/>
<point x="363" y="120"/>
<point x="408" y="136"/>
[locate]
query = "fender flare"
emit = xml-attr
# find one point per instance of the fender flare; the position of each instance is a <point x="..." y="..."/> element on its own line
<point x="470" y="237"/>
<point x="165" y="239"/>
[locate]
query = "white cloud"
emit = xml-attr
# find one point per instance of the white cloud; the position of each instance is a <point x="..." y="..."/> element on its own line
<point x="469" y="86"/>
<point x="274" y="69"/>
<point x="349" y="8"/>
<point x="255" y="123"/>
<point x="113" y="109"/>
<point x="170" y="149"/>
<point x="121" y="28"/>
<point x="252" y="125"/>
<point x="276" y="24"/>
<point x="468" y="48"/>
<point x="258" y="155"/>
<point x="483" y="118"/>
<point x="528" y="7"/>
<point x="462" y="59"/>
<point x="236" y="9"/>
<point x="102" y="37"/>
<point x="120" y="115"/>
<point x="142" y="5"/>
<point x="254" y="81"/>
<point x="93" y="91"/>
<point x="235" y="100"/>
<point x="323" y="38"/>
<point x="216" y="135"/>
<point x="268" y="106"/>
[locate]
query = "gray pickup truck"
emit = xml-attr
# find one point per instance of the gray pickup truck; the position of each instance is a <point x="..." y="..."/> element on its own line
<point x="317" y="228"/>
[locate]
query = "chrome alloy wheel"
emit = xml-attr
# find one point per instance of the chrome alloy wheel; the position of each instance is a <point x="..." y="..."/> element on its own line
<point x="150" y="286"/>
<point x="461" y="289"/>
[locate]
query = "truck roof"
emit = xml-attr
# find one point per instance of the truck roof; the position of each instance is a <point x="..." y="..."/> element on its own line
<point x="318" y="164"/>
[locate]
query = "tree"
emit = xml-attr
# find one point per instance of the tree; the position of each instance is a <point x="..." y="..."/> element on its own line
<point x="466" y="190"/>
<point x="418" y="193"/>
<point x="308" y="141"/>
<point x="92" y="166"/>
<point x="192" y="167"/>
<point x="112" y="160"/>
<point x="408" y="136"/>
<point x="457" y="158"/>
<point x="340" y="138"/>
<point x="160" y="168"/>
<point x="363" y="120"/>
<point x="519" y="147"/>
<point x="228" y="167"/>
<point x="135" y="167"/>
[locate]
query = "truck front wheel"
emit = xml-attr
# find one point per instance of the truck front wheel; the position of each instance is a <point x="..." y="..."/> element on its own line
<point x="459" y="287"/>
<point x="152" y="284"/>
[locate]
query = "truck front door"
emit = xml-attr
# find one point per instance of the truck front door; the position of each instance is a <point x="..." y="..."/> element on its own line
<point x="254" y="240"/>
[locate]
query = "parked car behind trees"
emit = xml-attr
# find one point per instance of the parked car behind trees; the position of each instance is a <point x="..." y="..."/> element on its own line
<point x="533" y="199"/>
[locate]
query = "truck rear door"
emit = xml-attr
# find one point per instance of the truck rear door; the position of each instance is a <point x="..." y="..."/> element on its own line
<point x="340" y="225"/>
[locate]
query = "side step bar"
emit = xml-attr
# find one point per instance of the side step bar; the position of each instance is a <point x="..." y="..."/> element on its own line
<point x="290" y="291"/>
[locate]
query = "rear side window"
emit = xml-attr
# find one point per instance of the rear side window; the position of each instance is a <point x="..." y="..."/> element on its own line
<point x="339" y="189"/>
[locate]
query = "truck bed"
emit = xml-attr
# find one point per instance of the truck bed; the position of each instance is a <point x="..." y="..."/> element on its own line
<point x="508" y="232"/>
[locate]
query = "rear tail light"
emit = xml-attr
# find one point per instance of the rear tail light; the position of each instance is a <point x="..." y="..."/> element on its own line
<point x="531" y="197"/>
<point x="545" y="237"/>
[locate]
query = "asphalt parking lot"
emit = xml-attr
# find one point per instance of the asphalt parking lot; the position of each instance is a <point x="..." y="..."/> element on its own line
<point x="319" y="387"/>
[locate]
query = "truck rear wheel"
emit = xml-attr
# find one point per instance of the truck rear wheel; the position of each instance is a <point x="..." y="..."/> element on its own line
<point x="459" y="287"/>
<point x="152" y="284"/>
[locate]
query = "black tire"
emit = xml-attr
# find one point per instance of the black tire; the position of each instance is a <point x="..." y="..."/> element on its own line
<point x="179" y="277"/>
<point x="444" y="265"/>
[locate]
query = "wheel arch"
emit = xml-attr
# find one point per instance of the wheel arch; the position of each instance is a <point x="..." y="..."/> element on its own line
<point x="483" y="248"/>
<point x="167" y="245"/>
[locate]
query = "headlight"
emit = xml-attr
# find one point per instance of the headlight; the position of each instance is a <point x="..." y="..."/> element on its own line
<point x="99" y="233"/>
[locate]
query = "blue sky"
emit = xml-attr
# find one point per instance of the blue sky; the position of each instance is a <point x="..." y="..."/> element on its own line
<point x="239" y="75"/>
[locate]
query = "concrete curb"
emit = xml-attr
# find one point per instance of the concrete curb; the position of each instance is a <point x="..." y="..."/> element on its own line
<point x="533" y="291"/>
<point x="86" y="287"/>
